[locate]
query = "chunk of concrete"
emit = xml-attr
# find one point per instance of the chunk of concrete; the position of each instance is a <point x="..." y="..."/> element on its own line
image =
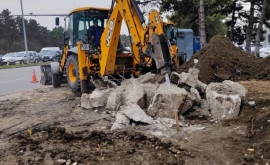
<point x="104" y="84"/>
<point x="133" y="93"/>
<point x="114" y="99"/>
<point x="192" y="79"/>
<point x="166" y="101"/>
<point x="98" y="98"/>
<point x="241" y="90"/>
<point x="150" y="90"/>
<point x="224" y="100"/>
<point x="201" y="111"/>
<point x="147" y="78"/>
<point x="121" y="121"/>
<point x="159" y="78"/>
<point x="188" y="104"/>
<point x="135" y="113"/>
<point x="195" y="95"/>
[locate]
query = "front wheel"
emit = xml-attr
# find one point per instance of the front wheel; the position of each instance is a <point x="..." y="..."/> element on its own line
<point x="73" y="75"/>
<point x="56" y="80"/>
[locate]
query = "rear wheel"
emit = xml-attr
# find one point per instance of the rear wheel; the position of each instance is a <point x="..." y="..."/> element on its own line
<point x="73" y="75"/>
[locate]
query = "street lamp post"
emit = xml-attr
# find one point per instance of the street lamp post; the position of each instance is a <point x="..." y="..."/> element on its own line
<point x="24" y="34"/>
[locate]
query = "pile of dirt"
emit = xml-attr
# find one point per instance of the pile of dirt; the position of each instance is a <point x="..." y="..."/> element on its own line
<point x="221" y="60"/>
<point x="52" y="145"/>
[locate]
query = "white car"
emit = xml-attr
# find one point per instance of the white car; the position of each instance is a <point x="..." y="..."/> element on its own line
<point x="265" y="52"/>
<point x="9" y="58"/>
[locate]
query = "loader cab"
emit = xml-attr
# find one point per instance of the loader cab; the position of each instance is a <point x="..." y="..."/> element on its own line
<point x="168" y="28"/>
<point x="79" y="23"/>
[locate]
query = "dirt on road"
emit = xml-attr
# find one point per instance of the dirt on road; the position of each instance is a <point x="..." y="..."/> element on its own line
<point x="48" y="126"/>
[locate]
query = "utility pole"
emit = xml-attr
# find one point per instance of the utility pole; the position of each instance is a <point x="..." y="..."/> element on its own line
<point x="202" y="23"/>
<point x="24" y="34"/>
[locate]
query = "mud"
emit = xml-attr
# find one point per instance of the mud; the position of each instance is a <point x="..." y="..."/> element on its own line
<point x="221" y="60"/>
<point x="96" y="147"/>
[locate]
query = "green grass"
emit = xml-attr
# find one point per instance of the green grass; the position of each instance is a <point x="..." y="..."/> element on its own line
<point x="23" y="65"/>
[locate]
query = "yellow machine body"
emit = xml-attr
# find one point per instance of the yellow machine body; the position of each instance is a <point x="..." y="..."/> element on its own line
<point x="149" y="43"/>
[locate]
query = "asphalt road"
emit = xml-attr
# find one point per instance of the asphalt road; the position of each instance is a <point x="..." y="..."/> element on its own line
<point x="18" y="79"/>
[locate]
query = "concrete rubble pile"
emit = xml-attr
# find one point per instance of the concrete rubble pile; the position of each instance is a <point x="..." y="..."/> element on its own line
<point x="149" y="100"/>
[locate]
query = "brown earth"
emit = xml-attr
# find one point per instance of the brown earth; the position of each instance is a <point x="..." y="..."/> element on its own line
<point x="221" y="60"/>
<point x="60" y="129"/>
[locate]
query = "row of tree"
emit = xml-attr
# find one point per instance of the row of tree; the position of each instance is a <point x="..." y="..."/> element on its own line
<point x="240" y="20"/>
<point x="11" y="34"/>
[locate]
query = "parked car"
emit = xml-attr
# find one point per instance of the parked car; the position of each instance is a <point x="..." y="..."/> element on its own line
<point x="21" y="57"/>
<point x="265" y="52"/>
<point x="1" y="60"/>
<point x="9" y="59"/>
<point x="43" y="50"/>
<point x="50" y="55"/>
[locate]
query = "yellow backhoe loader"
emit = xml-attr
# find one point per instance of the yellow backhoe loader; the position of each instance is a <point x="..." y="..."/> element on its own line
<point x="93" y="50"/>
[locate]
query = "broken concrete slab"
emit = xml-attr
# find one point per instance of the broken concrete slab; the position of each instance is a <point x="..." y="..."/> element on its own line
<point x="150" y="90"/>
<point x="121" y="121"/>
<point x="241" y="90"/>
<point x="146" y="78"/>
<point x="104" y="84"/>
<point x="201" y="111"/>
<point x="133" y="93"/>
<point x="188" y="104"/>
<point x="224" y="99"/>
<point x="135" y="113"/>
<point x="195" y="95"/>
<point x="191" y="79"/>
<point x="159" y="78"/>
<point x="166" y="101"/>
<point x="114" y="99"/>
<point x="98" y="98"/>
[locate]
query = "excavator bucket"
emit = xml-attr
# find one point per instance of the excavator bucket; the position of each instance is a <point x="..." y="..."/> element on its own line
<point x="160" y="52"/>
<point x="46" y="75"/>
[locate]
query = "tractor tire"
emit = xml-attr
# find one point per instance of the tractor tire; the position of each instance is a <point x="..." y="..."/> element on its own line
<point x="73" y="75"/>
<point x="56" y="80"/>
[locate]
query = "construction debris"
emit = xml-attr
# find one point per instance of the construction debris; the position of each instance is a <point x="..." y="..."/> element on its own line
<point x="166" y="101"/>
<point x="225" y="99"/>
<point x="96" y="99"/>
<point x="148" y="99"/>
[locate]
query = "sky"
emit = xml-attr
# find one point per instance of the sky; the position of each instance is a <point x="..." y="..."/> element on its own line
<point x="51" y="7"/>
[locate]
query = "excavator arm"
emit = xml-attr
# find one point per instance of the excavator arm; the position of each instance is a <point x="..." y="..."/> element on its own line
<point x="146" y="42"/>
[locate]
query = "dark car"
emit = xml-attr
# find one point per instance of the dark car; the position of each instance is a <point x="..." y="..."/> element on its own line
<point x="50" y="55"/>
<point x="1" y="60"/>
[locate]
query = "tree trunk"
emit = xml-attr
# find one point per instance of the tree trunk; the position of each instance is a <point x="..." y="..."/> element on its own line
<point x="202" y="24"/>
<point x="250" y="26"/>
<point x="259" y="30"/>
<point x="233" y="20"/>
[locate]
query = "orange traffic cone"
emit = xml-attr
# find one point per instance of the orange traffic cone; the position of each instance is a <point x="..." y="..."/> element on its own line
<point x="34" y="77"/>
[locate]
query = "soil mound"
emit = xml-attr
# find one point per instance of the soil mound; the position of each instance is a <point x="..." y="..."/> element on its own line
<point x="221" y="60"/>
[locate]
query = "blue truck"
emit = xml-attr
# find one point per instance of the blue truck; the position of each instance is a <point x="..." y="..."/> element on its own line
<point x="187" y="43"/>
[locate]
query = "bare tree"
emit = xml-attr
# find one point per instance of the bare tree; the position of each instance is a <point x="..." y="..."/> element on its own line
<point x="202" y="23"/>
<point x="250" y="26"/>
<point x="260" y="28"/>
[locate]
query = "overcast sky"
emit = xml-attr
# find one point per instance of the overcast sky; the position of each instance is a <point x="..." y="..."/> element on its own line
<point x="51" y="7"/>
